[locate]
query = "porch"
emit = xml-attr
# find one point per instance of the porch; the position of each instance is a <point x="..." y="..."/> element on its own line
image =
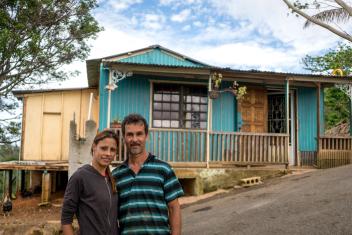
<point x="202" y="149"/>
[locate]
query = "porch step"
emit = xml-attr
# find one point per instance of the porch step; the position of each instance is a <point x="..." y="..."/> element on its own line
<point x="247" y="182"/>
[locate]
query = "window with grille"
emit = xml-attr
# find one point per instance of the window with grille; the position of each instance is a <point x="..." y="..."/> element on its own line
<point x="180" y="106"/>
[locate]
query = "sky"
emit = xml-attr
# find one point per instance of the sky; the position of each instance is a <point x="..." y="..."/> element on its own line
<point x="240" y="34"/>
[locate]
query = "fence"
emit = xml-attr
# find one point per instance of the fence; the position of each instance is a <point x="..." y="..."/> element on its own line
<point x="334" y="151"/>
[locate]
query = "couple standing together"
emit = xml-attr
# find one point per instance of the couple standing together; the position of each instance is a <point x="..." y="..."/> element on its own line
<point x="139" y="197"/>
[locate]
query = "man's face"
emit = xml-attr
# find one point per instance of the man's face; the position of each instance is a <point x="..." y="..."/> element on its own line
<point x="135" y="138"/>
<point x="104" y="152"/>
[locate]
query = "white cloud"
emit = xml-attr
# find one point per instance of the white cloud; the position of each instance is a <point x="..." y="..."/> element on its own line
<point x="153" y="21"/>
<point x="244" y="37"/>
<point x="182" y="16"/>
<point x="197" y="23"/>
<point x="123" y="4"/>
<point x="271" y="17"/>
<point x="186" y="28"/>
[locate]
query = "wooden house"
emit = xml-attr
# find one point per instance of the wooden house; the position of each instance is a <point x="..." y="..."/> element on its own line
<point x="193" y="110"/>
<point x="279" y="121"/>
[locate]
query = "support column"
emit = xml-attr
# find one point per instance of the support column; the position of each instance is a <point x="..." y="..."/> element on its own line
<point x="10" y="183"/>
<point x="46" y="188"/>
<point x="287" y="99"/>
<point x="350" y="115"/>
<point x="318" y="116"/>
<point x="209" y="120"/>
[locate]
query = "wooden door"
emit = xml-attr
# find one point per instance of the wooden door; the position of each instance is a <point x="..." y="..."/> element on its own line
<point x="253" y="110"/>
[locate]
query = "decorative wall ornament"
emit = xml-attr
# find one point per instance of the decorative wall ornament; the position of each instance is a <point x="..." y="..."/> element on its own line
<point x="115" y="77"/>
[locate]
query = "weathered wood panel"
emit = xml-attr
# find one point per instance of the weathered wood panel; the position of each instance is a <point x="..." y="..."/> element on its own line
<point x="334" y="151"/>
<point x="46" y="122"/>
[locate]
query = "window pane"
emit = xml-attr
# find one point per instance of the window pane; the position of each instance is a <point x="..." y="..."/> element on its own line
<point x="175" y="98"/>
<point x="174" y="107"/>
<point x="174" y="124"/>
<point x="188" y="124"/>
<point x="188" y="107"/>
<point x="174" y="115"/>
<point x="165" y="123"/>
<point x="157" y="115"/>
<point x="195" y="99"/>
<point x="195" y="107"/>
<point x="188" y="116"/>
<point x="166" y="97"/>
<point x="196" y="116"/>
<point x="157" y="97"/>
<point x="157" y="123"/>
<point x="157" y="106"/>
<point x="166" y="115"/>
<point x="203" y="125"/>
<point x="203" y="108"/>
<point x="189" y="99"/>
<point x="166" y="106"/>
<point x="204" y="100"/>
<point x="203" y="116"/>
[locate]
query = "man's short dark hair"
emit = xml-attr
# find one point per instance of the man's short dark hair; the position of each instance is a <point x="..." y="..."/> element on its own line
<point x="134" y="118"/>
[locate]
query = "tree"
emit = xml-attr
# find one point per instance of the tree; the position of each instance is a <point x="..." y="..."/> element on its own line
<point x="337" y="99"/>
<point x="329" y="14"/>
<point x="37" y="37"/>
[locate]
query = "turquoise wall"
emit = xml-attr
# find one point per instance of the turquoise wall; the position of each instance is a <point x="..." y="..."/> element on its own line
<point x="224" y="112"/>
<point x="307" y="119"/>
<point x="132" y="95"/>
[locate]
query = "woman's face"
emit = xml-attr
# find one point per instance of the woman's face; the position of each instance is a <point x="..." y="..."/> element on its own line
<point x="104" y="152"/>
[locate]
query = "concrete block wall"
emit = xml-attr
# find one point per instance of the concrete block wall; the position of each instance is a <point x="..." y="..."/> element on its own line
<point x="79" y="148"/>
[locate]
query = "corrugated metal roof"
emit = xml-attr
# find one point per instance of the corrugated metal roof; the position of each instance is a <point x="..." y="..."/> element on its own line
<point x="156" y="56"/>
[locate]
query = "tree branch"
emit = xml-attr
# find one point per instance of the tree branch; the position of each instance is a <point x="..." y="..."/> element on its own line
<point x="345" y="6"/>
<point x="318" y="22"/>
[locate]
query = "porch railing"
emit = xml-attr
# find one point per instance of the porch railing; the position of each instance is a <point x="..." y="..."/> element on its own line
<point x="251" y="148"/>
<point x="190" y="146"/>
<point x="334" y="151"/>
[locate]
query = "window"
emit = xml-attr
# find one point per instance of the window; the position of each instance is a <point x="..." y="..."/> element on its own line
<point x="180" y="106"/>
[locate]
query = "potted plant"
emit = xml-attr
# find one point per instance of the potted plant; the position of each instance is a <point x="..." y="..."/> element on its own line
<point x="116" y="123"/>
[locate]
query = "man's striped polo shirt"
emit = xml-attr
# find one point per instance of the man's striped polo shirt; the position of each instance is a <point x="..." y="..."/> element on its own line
<point x="143" y="198"/>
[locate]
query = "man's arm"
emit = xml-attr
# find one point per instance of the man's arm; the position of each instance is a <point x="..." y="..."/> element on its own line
<point x="175" y="217"/>
<point x="67" y="229"/>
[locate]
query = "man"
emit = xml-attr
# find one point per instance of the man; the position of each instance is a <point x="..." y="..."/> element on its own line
<point x="148" y="188"/>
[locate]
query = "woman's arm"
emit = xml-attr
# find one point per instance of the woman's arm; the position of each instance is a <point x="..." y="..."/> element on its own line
<point x="70" y="204"/>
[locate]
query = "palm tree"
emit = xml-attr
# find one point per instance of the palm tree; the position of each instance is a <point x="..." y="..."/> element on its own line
<point x="339" y="11"/>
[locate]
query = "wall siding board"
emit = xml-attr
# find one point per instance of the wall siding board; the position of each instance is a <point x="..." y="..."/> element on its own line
<point x="224" y="112"/>
<point x="307" y="119"/>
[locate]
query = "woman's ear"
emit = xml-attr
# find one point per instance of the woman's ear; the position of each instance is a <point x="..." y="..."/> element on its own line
<point x="94" y="147"/>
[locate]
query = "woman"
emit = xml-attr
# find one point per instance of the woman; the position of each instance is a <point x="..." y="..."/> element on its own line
<point x="91" y="192"/>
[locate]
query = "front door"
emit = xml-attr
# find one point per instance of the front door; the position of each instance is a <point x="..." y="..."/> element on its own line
<point x="253" y="109"/>
<point x="277" y="119"/>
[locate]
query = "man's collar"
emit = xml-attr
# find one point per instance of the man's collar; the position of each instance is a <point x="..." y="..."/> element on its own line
<point x="150" y="158"/>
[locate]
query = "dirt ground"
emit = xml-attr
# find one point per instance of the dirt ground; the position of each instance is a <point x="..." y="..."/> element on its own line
<point x="28" y="218"/>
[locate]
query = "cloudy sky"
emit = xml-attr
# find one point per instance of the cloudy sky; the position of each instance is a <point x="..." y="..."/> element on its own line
<point x="241" y="34"/>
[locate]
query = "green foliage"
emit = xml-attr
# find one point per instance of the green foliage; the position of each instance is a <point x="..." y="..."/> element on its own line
<point x="38" y="37"/>
<point x="336" y="107"/>
<point x="336" y="102"/>
<point x="339" y="58"/>
<point x="8" y="152"/>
